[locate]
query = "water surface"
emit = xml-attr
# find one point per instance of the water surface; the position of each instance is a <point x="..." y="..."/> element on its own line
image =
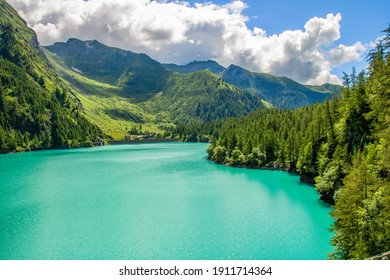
<point x="154" y="201"/>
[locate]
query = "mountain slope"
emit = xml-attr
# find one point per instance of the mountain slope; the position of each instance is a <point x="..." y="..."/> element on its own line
<point x="281" y="92"/>
<point x="327" y="88"/>
<point x="133" y="74"/>
<point x="195" y="66"/>
<point x="106" y="105"/>
<point x="36" y="109"/>
<point x="146" y="92"/>
<point x="205" y="96"/>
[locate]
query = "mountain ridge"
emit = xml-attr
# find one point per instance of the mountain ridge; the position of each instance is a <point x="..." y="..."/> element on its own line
<point x="281" y="92"/>
<point x="156" y="97"/>
<point x="136" y="73"/>
<point x="195" y="66"/>
<point x="114" y="66"/>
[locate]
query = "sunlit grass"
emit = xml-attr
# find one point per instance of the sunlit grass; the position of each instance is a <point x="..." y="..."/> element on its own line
<point x="101" y="101"/>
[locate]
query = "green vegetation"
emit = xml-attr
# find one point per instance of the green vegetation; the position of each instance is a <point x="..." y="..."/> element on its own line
<point x="106" y="106"/>
<point x="327" y="88"/>
<point x="196" y="66"/>
<point x="203" y="96"/>
<point x="147" y="93"/>
<point x="133" y="74"/>
<point x="281" y="92"/>
<point x="362" y="209"/>
<point x="36" y="109"/>
<point x="121" y="89"/>
<point x="343" y="146"/>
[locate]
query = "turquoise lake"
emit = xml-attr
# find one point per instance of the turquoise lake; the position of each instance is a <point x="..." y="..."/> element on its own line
<point x="154" y="201"/>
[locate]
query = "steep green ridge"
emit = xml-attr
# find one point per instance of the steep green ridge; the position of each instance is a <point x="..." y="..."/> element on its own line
<point x="327" y="88"/>
<point x="133" y="74"/>
<point x="205" y="96"/>
<point x="36" y="108"/>
<point x="149" y="94"/>
<point x="195" y="66"/>
<point x="281" y="92"/>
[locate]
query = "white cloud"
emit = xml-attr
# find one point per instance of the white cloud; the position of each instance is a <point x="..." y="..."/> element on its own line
<point x="175" y="31"/>
<point x="342" y="54"/>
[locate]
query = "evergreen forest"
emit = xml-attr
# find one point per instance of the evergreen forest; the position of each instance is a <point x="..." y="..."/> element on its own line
<point x="37" y="110"/>
<point x="342" y="146"/>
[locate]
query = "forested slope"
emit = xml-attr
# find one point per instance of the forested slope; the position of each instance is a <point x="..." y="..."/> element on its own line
<point x="36" y="108"/>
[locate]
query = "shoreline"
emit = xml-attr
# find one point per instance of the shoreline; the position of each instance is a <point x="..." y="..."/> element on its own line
<point x="148" y="141"/>
<point x="109" y="143"/>
<point x="279" y="166"/>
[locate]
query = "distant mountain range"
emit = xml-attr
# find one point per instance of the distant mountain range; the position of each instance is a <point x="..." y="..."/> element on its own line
<point x="154" y="95"/>
<point x="112" y="90"/>
<point x="281" y="92"/>
<point x="195" y="66"/>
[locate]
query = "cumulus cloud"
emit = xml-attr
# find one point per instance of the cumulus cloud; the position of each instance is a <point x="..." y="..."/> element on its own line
<point x="175" y="31"/>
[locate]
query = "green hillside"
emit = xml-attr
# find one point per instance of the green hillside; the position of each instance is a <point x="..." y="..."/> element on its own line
<point x="327" y="88"/>
<point x="107" y="106"/>
<point x="37" y="110"/>
<point x="281" y="92"/>
<point x="204" y="96"/>
<point x="133" y="74"/>
<point x="120" y="89"/>
<point x="195" y="66"/>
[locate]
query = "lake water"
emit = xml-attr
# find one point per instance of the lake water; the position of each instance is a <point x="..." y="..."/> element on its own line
<point x="154" y="201"/>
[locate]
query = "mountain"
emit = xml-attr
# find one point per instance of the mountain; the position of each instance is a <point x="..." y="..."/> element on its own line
<point x="132" y="73"/>
<point x="144" y="91"/>
<point x="70" y="93"/>
<point x="37" y="110"/>
<point x="205" y="96"/>
<point x="195" y="66"/>
<point x="327" y="88"/>
<point x="281" y="92"/>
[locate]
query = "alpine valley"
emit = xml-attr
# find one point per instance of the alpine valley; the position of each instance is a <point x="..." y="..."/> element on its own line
<point x="79" y="92"/>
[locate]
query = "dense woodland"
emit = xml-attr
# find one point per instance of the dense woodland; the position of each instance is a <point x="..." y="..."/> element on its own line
<point x="34" y="115"/>
<point x="342" y="145"/>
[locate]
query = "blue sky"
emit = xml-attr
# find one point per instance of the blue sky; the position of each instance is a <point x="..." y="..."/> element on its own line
<point x="312" y="42"/>
<point x="362" y="20"/>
